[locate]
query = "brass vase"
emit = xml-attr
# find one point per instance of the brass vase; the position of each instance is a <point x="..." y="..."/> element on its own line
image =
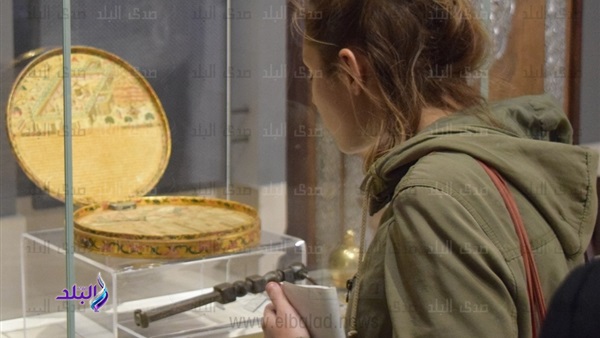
<point x="343" y="261"/>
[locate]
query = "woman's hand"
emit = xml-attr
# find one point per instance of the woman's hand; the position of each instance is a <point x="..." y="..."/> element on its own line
<point x="280" y="319"/>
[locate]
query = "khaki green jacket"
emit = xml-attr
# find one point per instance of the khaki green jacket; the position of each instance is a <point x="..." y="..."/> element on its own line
<point x="445" y="260"/>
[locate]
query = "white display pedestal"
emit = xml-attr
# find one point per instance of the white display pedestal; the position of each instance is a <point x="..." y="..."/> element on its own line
<point x="11" y="230"/>
<point x="144" y="284"/>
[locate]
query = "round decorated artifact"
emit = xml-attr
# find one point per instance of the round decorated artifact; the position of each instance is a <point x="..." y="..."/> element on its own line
<point x="167" y="227"/>
<point x="121" y="148"/>
<point x="121" y="140"/>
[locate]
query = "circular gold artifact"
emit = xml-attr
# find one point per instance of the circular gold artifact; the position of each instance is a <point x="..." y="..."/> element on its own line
<point x="121" y="148"/>
<point x="121" y="141"/>
<point x="167" y="227"/>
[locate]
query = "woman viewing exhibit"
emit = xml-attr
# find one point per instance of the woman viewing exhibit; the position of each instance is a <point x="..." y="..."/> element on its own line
<point x="486" y="206"/>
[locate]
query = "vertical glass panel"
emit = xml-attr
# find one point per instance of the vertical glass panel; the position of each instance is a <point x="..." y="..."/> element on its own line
<point x="148" y="81"/>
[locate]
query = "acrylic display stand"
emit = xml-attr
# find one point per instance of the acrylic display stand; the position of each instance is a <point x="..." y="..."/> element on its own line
<point x="144" y="284"/>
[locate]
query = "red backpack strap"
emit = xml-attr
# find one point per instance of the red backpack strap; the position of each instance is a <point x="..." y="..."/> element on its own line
<point x="534" y="288"/>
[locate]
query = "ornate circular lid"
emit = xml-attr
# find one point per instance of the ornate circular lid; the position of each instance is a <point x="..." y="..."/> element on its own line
<point x="121" y="139"/>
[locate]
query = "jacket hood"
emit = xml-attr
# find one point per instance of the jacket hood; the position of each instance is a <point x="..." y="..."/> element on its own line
<point x="528" y="141"/>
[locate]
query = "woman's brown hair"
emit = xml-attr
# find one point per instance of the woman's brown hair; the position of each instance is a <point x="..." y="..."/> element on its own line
<point x="420" y="53"/>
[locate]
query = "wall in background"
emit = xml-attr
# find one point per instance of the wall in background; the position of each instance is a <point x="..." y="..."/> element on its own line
<point x="7" y="162"/>
<point x="258" y="49"/>
<point x="590" y="74"/>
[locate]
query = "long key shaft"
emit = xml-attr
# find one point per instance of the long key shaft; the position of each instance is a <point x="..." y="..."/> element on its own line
<point x="222" y="293"/>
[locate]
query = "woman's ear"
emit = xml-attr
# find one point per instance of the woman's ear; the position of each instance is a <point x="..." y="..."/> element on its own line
<point x="353" y="64"/>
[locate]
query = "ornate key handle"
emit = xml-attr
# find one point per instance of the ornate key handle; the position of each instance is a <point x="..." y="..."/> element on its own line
<point x="224" y="293"/>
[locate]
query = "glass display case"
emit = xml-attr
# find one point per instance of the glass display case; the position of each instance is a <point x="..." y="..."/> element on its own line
<point x="217" y="106"/>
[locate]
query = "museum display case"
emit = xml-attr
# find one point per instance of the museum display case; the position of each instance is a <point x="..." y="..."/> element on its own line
<point x="158" y="132"/>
